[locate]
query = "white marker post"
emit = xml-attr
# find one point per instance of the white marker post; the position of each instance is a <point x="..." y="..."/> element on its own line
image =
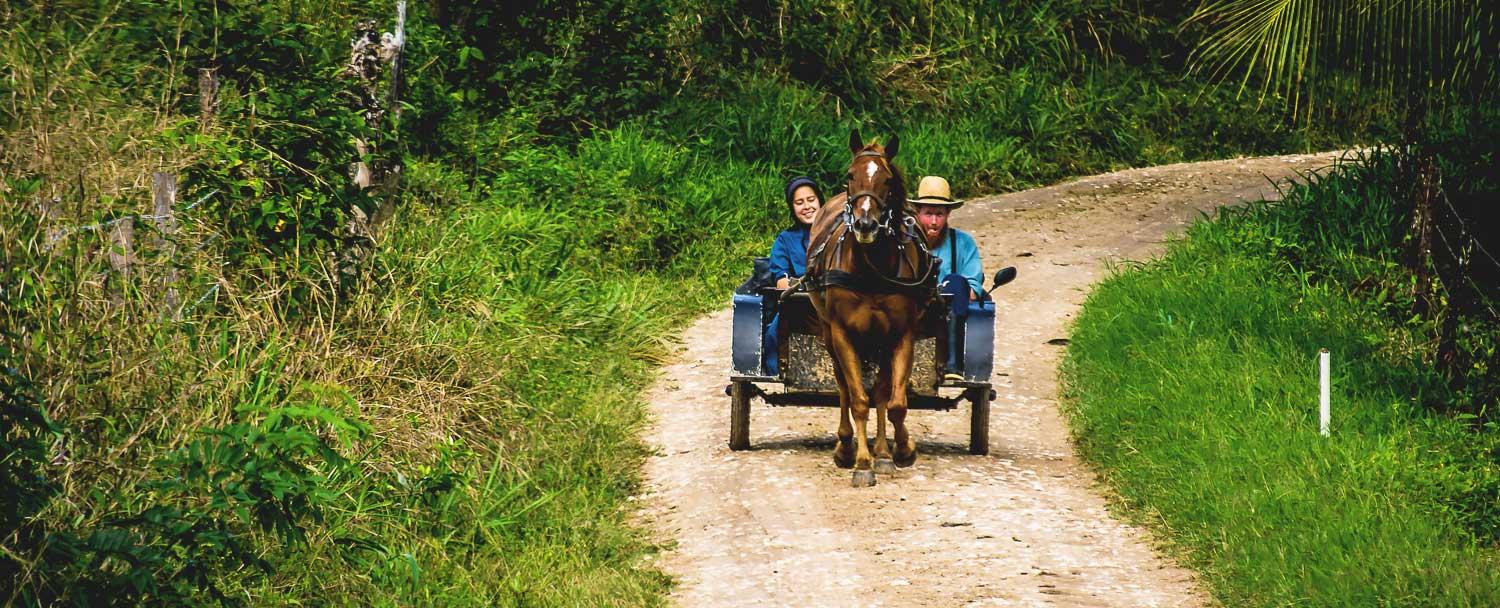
<point x="1323" y="413"/>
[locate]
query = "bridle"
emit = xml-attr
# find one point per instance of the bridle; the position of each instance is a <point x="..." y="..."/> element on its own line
<point x="889" y="225"/>
<point x="887" y="212"/>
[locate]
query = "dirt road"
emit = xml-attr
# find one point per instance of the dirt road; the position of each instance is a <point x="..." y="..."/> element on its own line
<point x="779" y="525"/>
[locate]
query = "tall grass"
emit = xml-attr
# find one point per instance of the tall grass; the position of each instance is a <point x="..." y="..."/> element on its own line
<point x="1192" y="383"/>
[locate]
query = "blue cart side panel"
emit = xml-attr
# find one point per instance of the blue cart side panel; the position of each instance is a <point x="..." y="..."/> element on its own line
<point x="979" y="341"/>
<point x="748" y="339"/>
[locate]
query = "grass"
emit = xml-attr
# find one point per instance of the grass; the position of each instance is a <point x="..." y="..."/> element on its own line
<point x="1192" y="384"/>
<point x="494" y="355"/>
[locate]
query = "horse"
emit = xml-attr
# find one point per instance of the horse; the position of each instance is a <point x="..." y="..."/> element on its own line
<point x="870" y="293"/>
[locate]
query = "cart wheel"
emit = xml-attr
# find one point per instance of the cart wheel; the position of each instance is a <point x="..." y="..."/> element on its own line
<point x="739" y="416"/>
<point x="979" y="421"/>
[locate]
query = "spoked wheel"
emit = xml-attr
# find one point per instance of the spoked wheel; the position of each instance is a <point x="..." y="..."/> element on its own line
<point x="979" y="421"/>
<point x="739" y="416"/>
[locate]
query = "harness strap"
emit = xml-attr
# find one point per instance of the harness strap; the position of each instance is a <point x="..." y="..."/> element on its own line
<point x="925" y="281"/>
<point x="953" y="249"/>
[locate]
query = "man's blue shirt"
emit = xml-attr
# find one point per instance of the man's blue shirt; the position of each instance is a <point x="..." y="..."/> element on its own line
<point x="959" y="246"/>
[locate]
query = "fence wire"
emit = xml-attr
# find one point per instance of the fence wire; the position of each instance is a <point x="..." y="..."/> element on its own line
<point x="69" y="230"/>
<point x="211" y="291"/>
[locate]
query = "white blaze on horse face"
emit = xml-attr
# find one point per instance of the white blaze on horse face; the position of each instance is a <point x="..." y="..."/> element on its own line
<point x="870" y="169"/>
<point x="865" y="207"/>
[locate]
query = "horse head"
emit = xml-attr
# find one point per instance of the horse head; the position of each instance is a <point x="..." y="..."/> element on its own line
<point x="876" y="191"/>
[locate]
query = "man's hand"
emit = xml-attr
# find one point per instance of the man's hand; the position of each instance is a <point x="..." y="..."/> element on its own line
<point x="783" y="283"/>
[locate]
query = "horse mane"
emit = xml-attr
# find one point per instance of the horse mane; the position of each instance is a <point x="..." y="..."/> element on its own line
<point x="899" y="190"/>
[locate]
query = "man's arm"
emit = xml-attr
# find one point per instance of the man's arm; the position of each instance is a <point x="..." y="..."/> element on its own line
<point x="970" y="266"/>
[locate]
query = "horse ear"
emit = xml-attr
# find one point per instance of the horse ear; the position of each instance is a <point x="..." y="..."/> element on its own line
<point x="856" y="143"/>
<point x="892" y="146"/>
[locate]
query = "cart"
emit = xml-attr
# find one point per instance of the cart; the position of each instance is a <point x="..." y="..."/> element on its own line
<point x="806" y="371"/>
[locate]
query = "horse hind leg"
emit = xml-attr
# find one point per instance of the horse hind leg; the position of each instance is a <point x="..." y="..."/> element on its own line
<point x="883" y="463"/>
<point x="906" y="445"/>
<point x="901" y="361"/>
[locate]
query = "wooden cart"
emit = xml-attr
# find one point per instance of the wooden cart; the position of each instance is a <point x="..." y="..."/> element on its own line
<point x="806" y="371"/>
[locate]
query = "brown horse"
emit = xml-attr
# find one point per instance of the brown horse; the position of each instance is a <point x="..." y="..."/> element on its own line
<point x="871" y="279"/>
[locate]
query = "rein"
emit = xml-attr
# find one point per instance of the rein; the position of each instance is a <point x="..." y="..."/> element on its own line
<point x="909" y="224"/>
<point x="932" y="267"/>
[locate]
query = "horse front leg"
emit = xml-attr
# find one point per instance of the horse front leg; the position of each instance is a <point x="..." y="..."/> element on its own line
<point x="901" y="361"/>
<point x="842" y="349"/>
<point x="843" y="451"/>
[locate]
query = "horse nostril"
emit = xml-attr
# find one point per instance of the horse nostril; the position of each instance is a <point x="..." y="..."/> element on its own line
<point x="864" y="224"/>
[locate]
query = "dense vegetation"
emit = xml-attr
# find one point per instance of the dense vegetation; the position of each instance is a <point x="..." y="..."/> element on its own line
<point x="1193" y="383"/>
<point x="247" y="418"/>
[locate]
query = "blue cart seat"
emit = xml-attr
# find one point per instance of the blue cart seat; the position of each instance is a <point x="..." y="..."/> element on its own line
<point x="749" y="334"/>
<point x="979" y="341"/>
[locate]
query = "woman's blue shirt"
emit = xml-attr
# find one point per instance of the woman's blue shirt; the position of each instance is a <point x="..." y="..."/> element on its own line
<point x="789" y="253"/>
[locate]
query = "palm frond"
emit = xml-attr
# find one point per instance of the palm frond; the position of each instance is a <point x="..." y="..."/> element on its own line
<point x="1405" y="48"/>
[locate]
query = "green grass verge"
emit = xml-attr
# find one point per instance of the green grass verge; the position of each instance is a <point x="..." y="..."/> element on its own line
<point x="1191" y="383"/>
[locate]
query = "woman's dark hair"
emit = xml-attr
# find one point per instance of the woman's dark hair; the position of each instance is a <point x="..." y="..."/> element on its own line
<point x="791" y="188"/>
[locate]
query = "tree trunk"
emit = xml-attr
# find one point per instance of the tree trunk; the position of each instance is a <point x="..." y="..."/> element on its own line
<point x="1419" y="246"/>
<point x="373" y="58"/>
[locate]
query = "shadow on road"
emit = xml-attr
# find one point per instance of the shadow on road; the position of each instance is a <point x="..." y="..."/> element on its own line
<point x="824" y="442"/>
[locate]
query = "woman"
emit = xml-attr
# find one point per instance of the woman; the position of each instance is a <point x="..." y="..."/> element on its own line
<point x="789" y="250"/>
<point x="789" y="253"/>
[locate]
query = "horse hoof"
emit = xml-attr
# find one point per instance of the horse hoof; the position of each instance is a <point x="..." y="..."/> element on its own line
<point x="844" y="459"/>
<point x="863" y="479"/>
<point x="907" y="459"/>
<point x="884" y="466"/>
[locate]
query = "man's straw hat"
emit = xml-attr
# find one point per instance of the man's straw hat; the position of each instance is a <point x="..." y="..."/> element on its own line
<point x="933" y="190"/>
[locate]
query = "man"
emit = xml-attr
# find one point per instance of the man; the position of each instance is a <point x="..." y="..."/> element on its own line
<point x="961" y="270"/>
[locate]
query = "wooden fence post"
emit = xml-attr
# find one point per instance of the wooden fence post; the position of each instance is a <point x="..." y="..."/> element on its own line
<point x="164" y="199"/>
<point x="121" y="254"/>
<point x="208" y="95"/>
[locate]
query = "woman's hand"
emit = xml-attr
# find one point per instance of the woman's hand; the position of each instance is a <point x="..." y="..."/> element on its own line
<point x="783" y="283"/>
